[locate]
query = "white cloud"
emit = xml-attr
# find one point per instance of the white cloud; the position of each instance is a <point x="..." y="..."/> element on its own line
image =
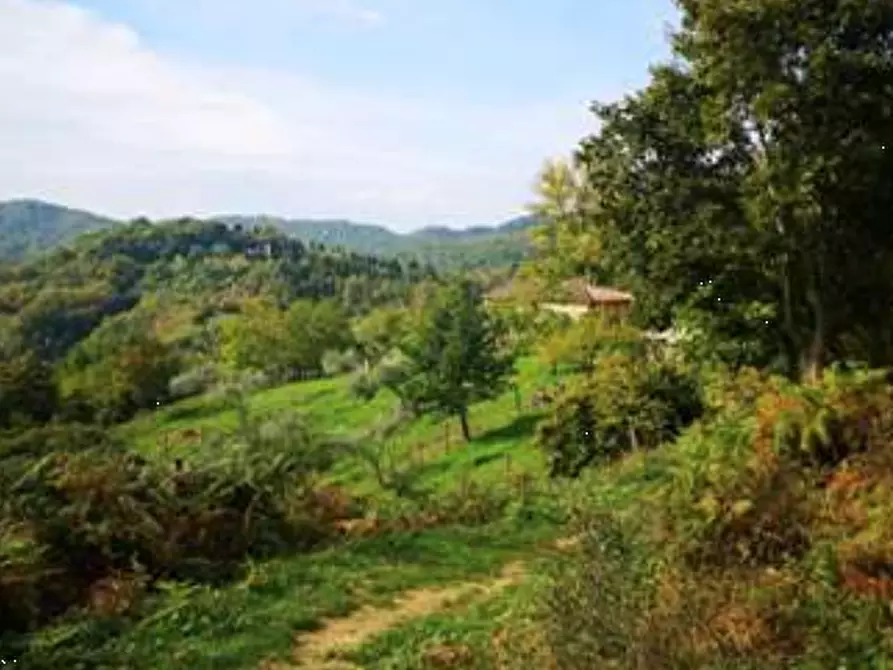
<point x="93" y="117"/>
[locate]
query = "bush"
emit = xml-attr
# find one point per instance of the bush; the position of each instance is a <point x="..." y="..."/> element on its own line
<point x="596" y="607"/>
<point x="759" y="539"/>
<point x="117" y="383"/>
<point x="340" y="362"/>
<point x="79" y="518"/>
<point x="582" y="343"/>
<point x="193" y="382"/>
<point x="624" y="405"/>
<point x="363" y="386"/>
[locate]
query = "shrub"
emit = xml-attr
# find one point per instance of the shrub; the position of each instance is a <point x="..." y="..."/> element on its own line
<point x="582" y="343"/>
<point x="363" y="386"/>
<point x="759" y="539"/>
<point x="340" y="362"/>
<point x="193" y="382"/>
<point x="624" y="405"/>
<point x="80" y="521"/>
<point x="116" y="383"/>
<point x="595" y="608"/>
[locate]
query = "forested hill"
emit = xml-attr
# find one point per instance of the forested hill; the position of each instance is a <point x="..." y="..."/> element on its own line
<point x="28" y="227"/>
<point x="444" y="248"/>
<point x="181" y="274"/>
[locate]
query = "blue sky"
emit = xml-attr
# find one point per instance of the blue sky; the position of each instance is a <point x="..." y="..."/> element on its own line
<point x="400" y="112"/>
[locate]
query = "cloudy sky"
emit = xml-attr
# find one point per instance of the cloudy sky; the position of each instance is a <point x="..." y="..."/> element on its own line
<point x="401" y="112"/>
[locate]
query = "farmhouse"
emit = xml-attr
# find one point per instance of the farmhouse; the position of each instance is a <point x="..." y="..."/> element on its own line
<point x="573" y="297"/>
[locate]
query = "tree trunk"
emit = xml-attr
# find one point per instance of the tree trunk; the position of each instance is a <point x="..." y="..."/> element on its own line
<point x="794" y="366"/>
<point x="463" y="419"/>
<point x="814" y="357"/>
<point x="813" y="367"/>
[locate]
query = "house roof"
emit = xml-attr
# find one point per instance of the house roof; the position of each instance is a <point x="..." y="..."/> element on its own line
<point x="581" y="292"/>
<point x="575" y="291"/>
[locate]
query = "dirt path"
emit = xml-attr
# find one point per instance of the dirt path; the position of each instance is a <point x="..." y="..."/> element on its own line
<point x="313" y="649"/>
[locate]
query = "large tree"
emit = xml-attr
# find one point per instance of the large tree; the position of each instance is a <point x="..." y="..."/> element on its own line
<point x="457" y="353"/>
<point x="752" y="179"/>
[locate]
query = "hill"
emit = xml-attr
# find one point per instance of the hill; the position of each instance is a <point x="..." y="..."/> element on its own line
<point x="184" y="272"/>
<point x="444" y="248"/>
<point x="28" y="227"/>
<point x="32" y="226"/>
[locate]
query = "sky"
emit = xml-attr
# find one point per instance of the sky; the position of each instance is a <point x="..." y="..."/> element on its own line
<point x="406" y="113"/>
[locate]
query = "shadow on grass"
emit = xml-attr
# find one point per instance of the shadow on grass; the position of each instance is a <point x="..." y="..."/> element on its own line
<point x="521" y="427"/>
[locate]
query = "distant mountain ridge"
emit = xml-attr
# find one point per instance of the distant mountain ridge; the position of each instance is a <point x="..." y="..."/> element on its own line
<point x="508" y="240"/>
<point x="32" y="226"/>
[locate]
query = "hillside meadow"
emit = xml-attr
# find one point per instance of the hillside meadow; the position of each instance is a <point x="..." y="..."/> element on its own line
<point x="223" y="448"/>
<point x="275" y="598"/>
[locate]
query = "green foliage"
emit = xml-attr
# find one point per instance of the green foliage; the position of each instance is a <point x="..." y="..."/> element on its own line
<point x="528" y="326"/>
<point x="27" y="390"/>
<point x="118" y="370"/>
<point x="457" y="354"/>
<point x="595" y="608"/>
<point x="94" y="513"/>
<point x="193" y="382"/>
<point x="285" y="344"/>
<point x="625" y="404"/>
<point x="380" y="332"/>
<point x="340" y="362"/>
<point x="757" y="540"/>
<point x="566" y="243"/>
<point x="29" y="227"/>
<point x="581" y="344"/>
<point x="183" y="276"/>
<point x="394" y="373"/>
<point x="429" y="249"/>
<point x="728" y="170"/>
<point x="59" y="317"/>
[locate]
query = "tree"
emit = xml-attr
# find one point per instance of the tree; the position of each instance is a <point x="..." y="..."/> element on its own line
<point x="264" y="338"/>
<point x="27" y="389"/>
<point x="457" y="354"/>
<point x="120" y="369"/>
<point x="380" y="331"/>
<point x="566" y="243"/>
<point x="257" y="339"/>
<point x="582" y="343"/>
<point x="313" y="329"/>
<point x="758" y="164"/>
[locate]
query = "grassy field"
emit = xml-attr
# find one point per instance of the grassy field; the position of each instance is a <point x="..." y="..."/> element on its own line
<point x="499" y="430"/>
<point x="241" y="625"/>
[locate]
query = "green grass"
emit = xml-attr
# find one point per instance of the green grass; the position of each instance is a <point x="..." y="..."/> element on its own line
<point x="499" y="430"/>
<point x="237" y="627"/>
<point x="327" y="405"/>
<point x="468" y="626"/>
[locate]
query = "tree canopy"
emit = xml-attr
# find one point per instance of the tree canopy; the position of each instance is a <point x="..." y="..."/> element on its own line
<point x="457" y="353"/>
<point x="750" y="180"/>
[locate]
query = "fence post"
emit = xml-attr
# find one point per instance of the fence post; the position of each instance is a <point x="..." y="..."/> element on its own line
<point x="508" y="466"/>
